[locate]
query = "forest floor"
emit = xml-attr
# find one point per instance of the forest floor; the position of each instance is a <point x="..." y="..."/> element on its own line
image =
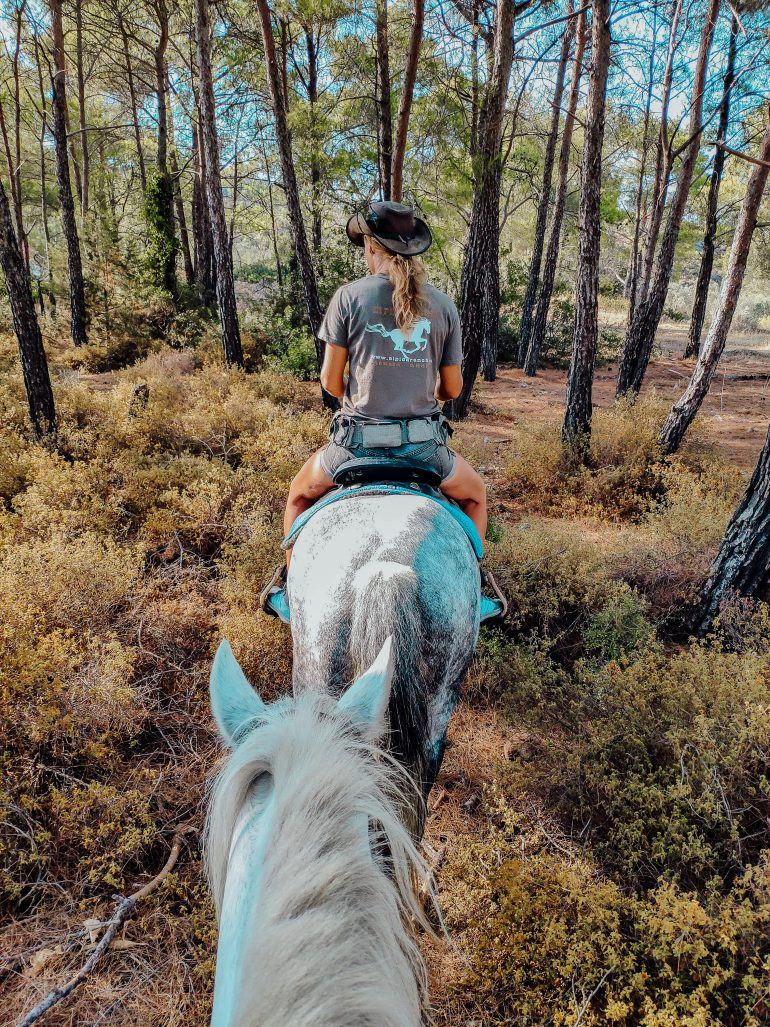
<point x="200" y="601"/>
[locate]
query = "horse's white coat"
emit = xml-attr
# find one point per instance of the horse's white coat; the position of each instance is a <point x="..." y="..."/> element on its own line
<point x="312" y="930"/>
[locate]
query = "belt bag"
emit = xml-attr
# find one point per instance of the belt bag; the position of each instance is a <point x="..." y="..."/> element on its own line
<point x="386" y="435"/>
<point x="349" y="431"/>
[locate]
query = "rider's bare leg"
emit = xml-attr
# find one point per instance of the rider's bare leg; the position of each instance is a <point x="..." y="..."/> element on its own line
<point x="310" y="484"/>
<point x="466" y="487"/>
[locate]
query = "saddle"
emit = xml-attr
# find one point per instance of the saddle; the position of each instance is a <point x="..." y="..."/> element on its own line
<point x="381" y="476"/>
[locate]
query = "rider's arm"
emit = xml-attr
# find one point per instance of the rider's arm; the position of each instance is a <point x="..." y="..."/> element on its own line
<point x="333" y="370"/>
<point x="450" y="382"/>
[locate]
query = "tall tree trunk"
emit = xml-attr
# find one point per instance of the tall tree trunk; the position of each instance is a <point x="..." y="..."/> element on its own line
<point x="644" y="324"/>
<point x="13" y="148"/>
<point x="161" y="203"/>
<point x="688" y="404"/>
<point x="204" y="246"/>
<point x="134" y="106"/>
<point x="85" y="155"/>
<point x="14" y="183"/>
<point x="473" y="146"/>
<point x="405" y="103"/>
<point x="577" y="418"/>
<point x="296" y="220"/>
<point x="480" y="278"/>
<point x="709" y="238"/>
<point x="384" y="100"/>
<point x="315" y="164"/>
<point x="540" y="322"/>
<point x="228" y="311"/>
<point x="273" y="231"/>
<point x="34" y="365"/>
<point x="742" y="565"/>
<point x="662" y="173"/>
<point x="632" y="278"/>
<point x="79" y="317"/>
<point x="42" y="151"/>
<point x="181" y="216"/>
<point x="544" y="205"/>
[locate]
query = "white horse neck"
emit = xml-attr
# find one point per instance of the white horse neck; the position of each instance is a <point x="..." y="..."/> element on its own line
<point x="326" y="944"/>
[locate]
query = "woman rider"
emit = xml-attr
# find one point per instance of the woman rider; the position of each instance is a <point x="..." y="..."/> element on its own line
<point x="400" y="338"/>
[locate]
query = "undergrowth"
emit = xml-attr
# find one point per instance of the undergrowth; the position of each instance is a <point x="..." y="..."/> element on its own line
<point x="617" y="869"/>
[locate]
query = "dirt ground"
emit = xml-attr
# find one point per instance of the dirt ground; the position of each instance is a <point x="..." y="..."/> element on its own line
<point x="737" y="407"/>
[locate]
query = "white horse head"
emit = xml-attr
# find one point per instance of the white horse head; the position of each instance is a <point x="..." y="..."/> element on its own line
<point x="313" y="903"/>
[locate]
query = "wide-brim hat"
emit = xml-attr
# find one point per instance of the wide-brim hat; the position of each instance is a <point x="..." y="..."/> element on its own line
<point x="394" y="226"/>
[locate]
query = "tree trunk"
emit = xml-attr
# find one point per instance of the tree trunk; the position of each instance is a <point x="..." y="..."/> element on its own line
<point x="273" y="231"/>
<point x="79" y="318"/>
<point x="42" y="151"/>
<point x="632" y="278"/>
<point x="544" y="205"/>
<point x="384" y="100"/>
<point x="662" y="164"/>
<point x="688" y="404"/>
<point x="13" y="154"/>
<point x="577" y="418"/>
<point x="480" y="278"/>
<point x="315" y="165"/>
<point x="709" y="238"/>
<point x="181" y="216"/>
<point x="228" y="311"/>
<point x="34" y="365"/>
<point x="162" y="216"/>
<point x="644" y="324"/>
<point x="15" y="184"/>
<point x="296" y="220"/>
<point x="540" y="323"/>
<point x="473" y="146"/>
<point x="742" y="565"/>
<point x="85" y="155"/>
<point x="134" y="106"/>
<point x="405" y="103"/>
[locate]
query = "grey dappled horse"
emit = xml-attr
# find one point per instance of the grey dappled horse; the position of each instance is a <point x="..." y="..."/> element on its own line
<point x="310" y="863"/>
<point x="367" y="567"/>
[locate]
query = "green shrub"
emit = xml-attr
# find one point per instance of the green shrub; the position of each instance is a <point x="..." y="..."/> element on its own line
<point x="660" y="763"/>
<point x="549" y="941"/>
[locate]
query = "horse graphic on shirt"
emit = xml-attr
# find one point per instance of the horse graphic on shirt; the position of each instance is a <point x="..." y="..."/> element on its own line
<point x="405" y="342"/>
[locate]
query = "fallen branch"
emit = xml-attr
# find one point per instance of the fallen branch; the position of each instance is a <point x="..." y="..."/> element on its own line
<point x="125" y="908"/>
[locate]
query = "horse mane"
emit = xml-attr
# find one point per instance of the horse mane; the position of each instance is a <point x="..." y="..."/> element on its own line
<point x="333" y="941"/>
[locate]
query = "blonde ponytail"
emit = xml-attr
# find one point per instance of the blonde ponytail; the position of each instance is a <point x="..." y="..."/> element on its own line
<point x="407" y="276"/>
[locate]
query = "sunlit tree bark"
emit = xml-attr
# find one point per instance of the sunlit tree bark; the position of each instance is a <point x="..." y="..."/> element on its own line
<point x="688" y="404"/>
<point x="577" y="418"/>
<point x="34" y="365"/>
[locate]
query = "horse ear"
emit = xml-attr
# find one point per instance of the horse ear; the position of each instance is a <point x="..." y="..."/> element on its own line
<point x="233" y="701"/>
<point x="366" y="701"/>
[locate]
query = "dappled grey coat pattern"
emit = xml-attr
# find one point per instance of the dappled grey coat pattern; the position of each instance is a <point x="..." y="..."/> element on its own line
<point x="369" y="567"/>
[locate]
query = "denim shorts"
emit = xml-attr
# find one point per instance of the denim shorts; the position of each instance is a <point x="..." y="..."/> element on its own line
<point x="439" y="457"/>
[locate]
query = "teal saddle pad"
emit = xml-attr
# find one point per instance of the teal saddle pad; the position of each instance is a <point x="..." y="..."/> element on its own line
<point x="389" y="489"/>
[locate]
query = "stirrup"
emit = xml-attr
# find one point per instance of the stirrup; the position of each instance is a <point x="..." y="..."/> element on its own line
<point x="492" y="609"/>
<point x="272" y="599"/>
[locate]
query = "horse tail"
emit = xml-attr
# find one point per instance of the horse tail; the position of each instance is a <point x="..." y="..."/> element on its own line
<point x="386" y="602"/>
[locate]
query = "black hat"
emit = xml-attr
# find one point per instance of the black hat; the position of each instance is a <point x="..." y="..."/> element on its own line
<point x="393" y="225"/>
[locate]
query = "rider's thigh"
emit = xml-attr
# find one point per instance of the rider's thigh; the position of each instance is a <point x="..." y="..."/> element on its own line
<point x="312" y="480"/>
<point x="464" y="482"/>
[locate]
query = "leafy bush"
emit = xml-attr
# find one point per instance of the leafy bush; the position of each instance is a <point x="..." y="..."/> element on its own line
<point x="550" y="941"/>
<point x="660" y="762"/>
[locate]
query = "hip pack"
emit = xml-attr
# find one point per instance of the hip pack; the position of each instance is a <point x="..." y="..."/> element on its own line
<point x="351" y="432"/>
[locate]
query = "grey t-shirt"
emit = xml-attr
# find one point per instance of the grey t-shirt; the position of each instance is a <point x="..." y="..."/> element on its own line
<point x="392" y="373"/>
